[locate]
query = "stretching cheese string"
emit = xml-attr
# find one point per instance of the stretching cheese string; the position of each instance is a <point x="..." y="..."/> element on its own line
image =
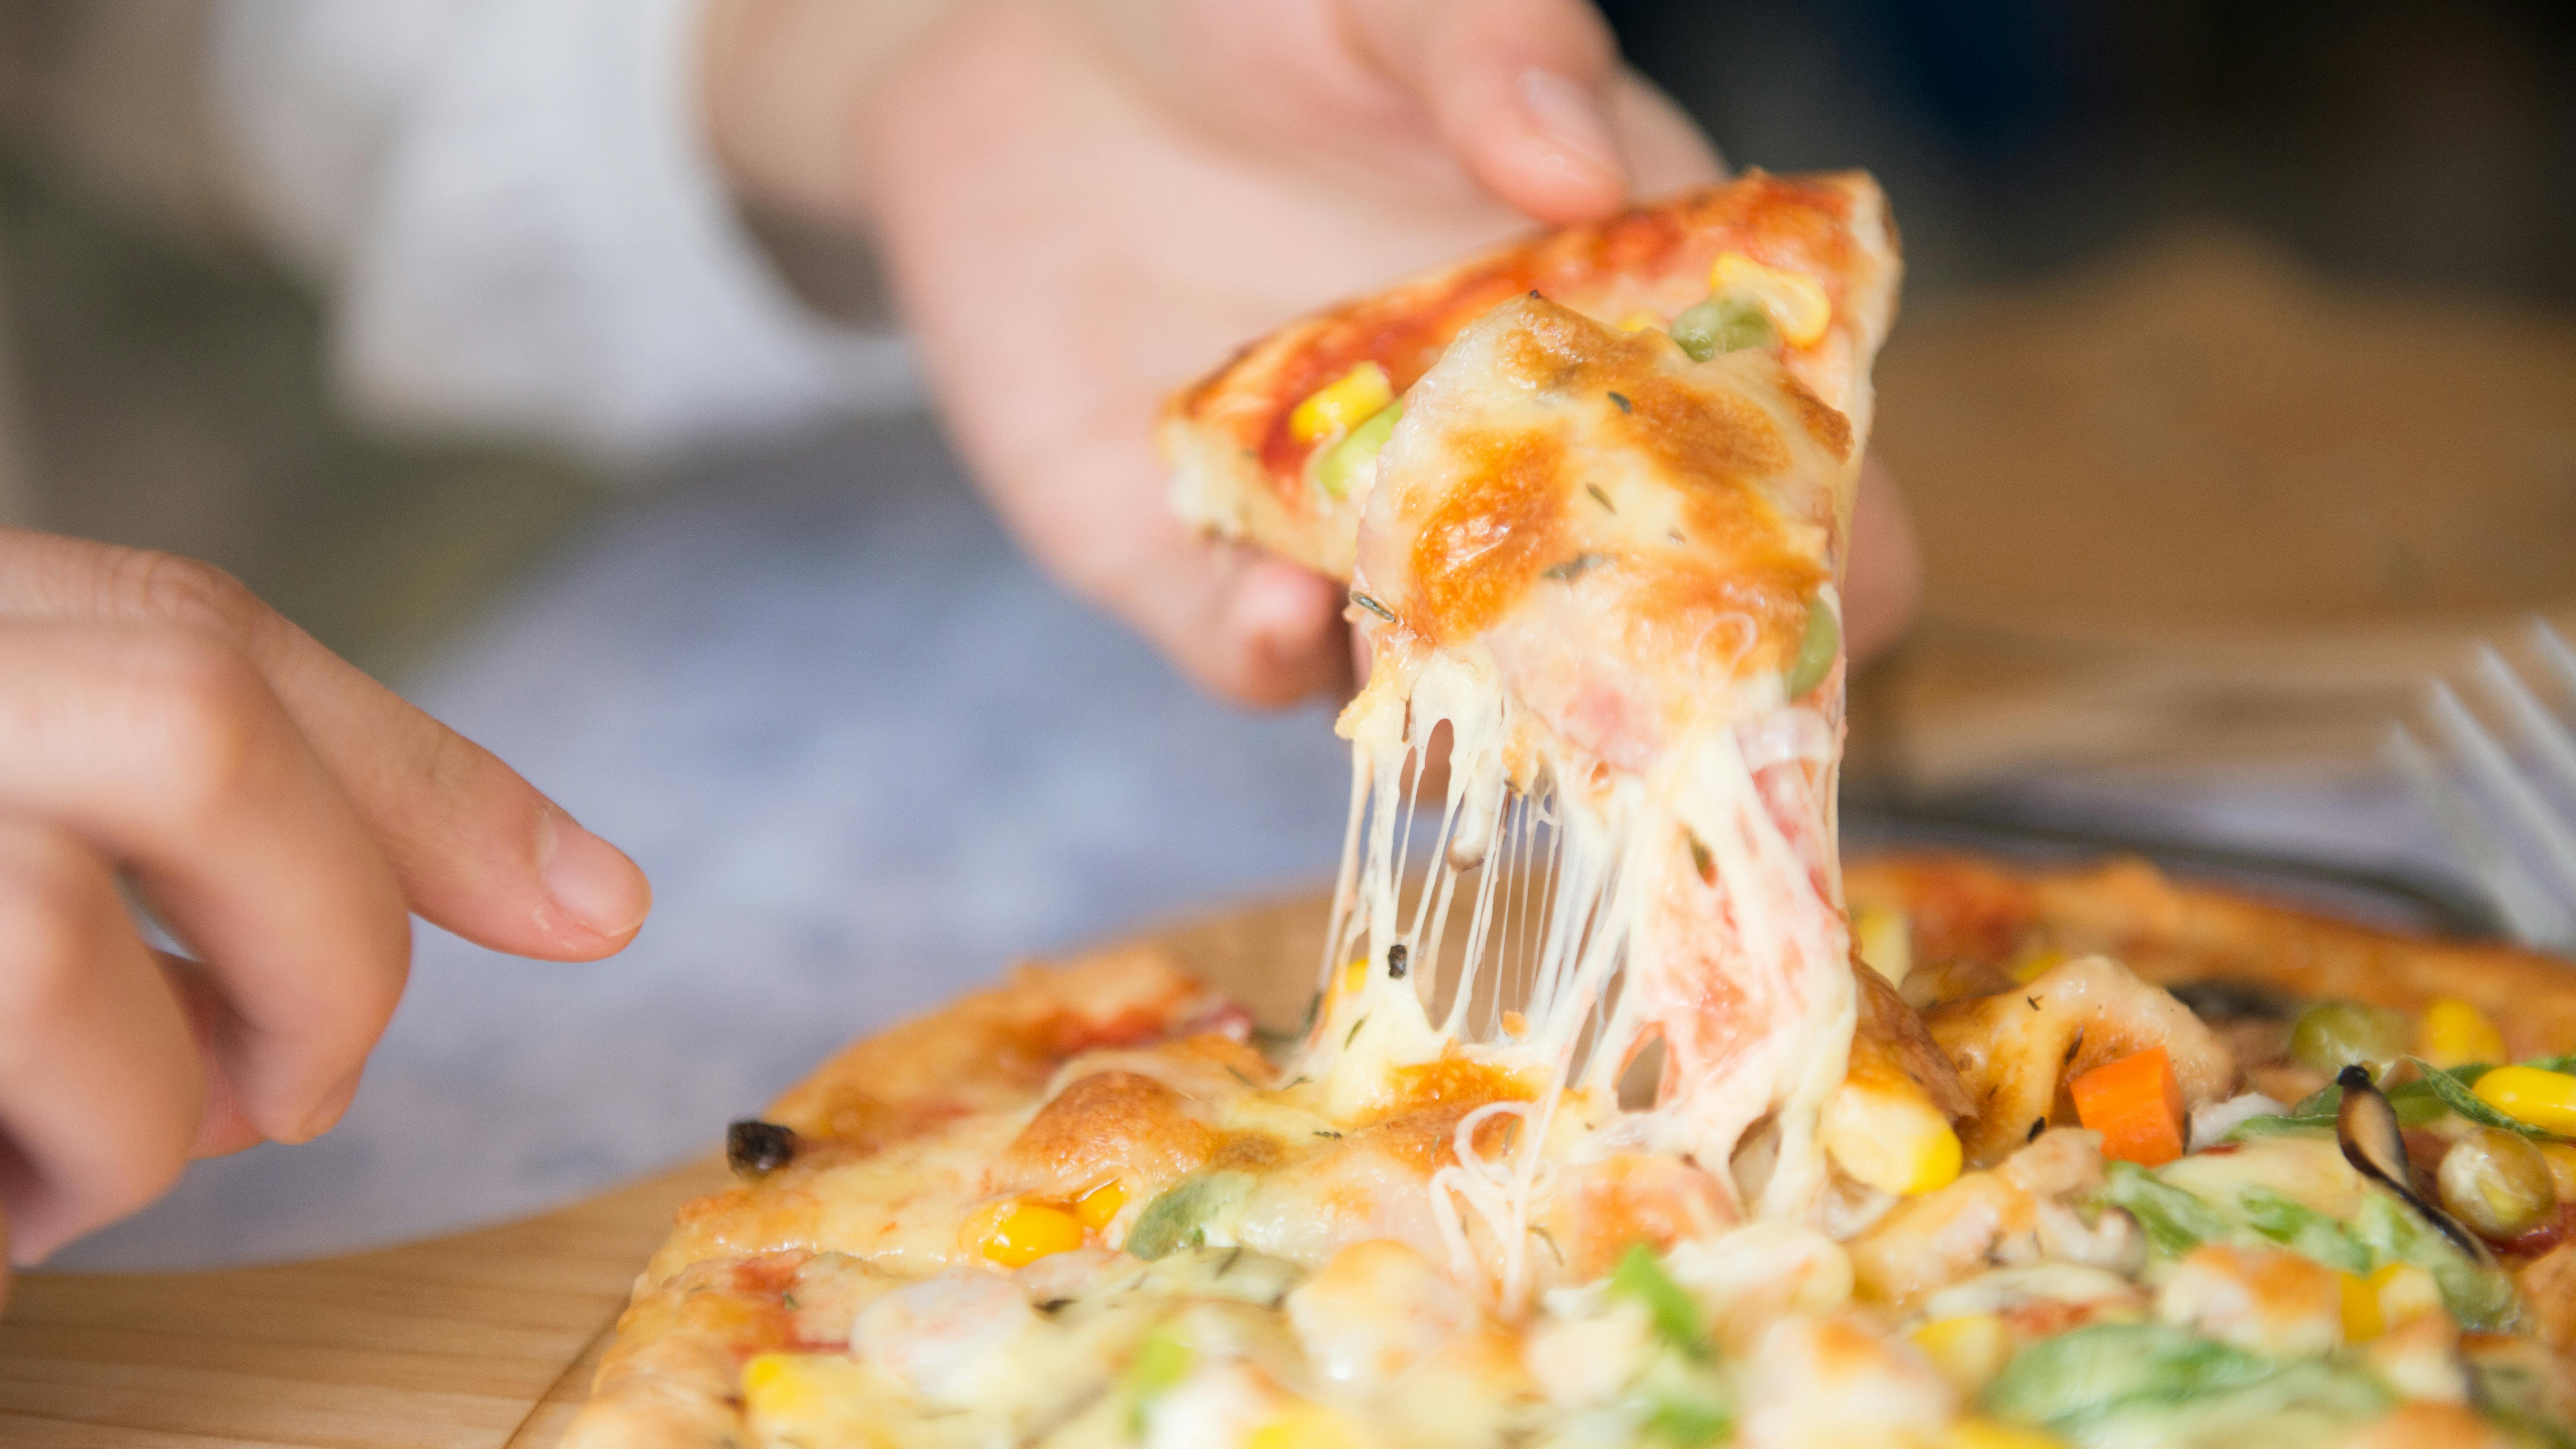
<point x="1575" y="862"/>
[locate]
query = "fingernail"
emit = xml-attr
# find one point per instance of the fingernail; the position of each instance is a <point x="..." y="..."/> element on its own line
<point x="333" y="1107"/>
<point x="1571" y="115"/>
<point x="590" y="880"/>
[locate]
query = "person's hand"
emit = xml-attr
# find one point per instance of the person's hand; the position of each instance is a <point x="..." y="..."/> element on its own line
<point x="1084" y="203"/>
<point x="280" y="813"/>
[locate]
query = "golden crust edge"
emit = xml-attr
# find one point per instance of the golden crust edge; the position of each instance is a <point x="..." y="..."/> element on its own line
<point x="671" y="1386"/>
<point x="1217" y="488"/>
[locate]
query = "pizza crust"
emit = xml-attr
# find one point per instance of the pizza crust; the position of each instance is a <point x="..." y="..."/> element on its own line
<point x="1974" y="912"/>
<point x="712" y="1296"/>
<point x="1238" y="473"/>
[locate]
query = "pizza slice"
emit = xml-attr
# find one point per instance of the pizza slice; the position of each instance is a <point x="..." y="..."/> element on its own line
<point x="1265" y="448"/>
<point x="1592" y="495"/>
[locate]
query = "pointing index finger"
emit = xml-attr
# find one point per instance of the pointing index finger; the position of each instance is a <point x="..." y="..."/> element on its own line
<point x="477" y="849"/>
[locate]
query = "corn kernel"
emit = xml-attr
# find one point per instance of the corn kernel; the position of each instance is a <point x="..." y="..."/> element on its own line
<point x="1354" y="976"/>
<point x="1304" y="1426"/>
<point x="2455" y="1034"/>
<point x="1968" y="1349"/>
<point x="1095" y="1208"/>
<point x="2405" y="1293"/>
<point x="1019" y="1233"/>
<point x="2362" y="1318"/>
<point x="1342" y="404"/>
<point x="1882" y="1130"/>
<point x="806" y="1397"/>
<point x="1639" y="322"/>
<point x="1885" y="941"/>
<point x="1982" y="1433"/>
<point x="1797" y="306"/>
<point x="2037" y="964"/>
<point x="2546" y="1100"/>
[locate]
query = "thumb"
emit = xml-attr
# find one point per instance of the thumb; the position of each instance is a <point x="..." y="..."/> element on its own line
<point x="1519" y="89"/>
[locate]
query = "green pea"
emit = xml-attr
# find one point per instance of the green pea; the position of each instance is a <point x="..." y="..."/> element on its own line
<point x="1341" y="462"/>
<point x="2333" y="1035"/>
<point x="1815" y="657"/>
<point x="1722" y="324"/>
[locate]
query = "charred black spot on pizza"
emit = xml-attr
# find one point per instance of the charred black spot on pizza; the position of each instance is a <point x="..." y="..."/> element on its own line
<point x="753" y="1147"/>
<point x="2220" y="1002"/>
<point x="1398" y="958"/>
<point x="1621" y="399"/>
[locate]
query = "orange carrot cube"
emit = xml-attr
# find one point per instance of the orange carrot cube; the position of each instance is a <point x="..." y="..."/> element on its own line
<point x="2136" y="1104"/>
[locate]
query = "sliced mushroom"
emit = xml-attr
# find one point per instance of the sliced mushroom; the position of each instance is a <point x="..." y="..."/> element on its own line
<point x="2367" y="1128"/>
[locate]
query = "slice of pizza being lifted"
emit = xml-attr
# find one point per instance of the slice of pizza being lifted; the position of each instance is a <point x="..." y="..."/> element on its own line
<point x="1592" y="497"/>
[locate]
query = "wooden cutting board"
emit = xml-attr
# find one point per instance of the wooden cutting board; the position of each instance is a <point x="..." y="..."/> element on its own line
<point x="480" y="1341"/>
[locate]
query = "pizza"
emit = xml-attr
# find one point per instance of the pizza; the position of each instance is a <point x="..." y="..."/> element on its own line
<point x="1622" y="1114"/>
<point x="1088" y="1206"/>
<point x="1595" y="547"/>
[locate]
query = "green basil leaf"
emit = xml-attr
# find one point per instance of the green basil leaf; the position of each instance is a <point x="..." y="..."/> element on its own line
<point x="1676" y="1314"/>
<point x="2275" y="1125"/>
<point x="2453" y="1091"/>
<point x="2175" y="1221"/>
<point x="1180" y="1217"/>
<point x="2303" y="1230"/>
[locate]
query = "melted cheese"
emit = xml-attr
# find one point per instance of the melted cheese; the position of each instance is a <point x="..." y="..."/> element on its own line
<point x="1592" y="560"/>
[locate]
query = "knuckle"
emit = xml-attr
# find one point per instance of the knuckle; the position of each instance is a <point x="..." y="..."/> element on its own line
<point x="55" y="904"/>
<point x="150" y="585"/>
<point x="205" y="710"/>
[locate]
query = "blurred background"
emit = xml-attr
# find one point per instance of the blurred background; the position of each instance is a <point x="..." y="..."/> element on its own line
<point x="2235" y="394"/>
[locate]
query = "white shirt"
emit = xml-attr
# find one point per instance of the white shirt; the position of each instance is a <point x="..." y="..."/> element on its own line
<point x="514" y="207"/>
